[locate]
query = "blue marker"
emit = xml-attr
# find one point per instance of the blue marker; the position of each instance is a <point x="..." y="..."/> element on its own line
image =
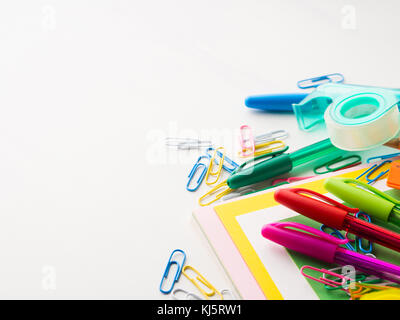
<point x="275" y="102"/>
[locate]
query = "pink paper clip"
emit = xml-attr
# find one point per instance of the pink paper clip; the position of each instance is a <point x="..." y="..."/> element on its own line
<point x="325" y="280"/>
<point x="290" y="180"/>
<point x="247" y="143"/>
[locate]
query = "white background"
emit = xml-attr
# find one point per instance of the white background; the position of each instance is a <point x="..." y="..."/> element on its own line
<point x="91" y="201"/>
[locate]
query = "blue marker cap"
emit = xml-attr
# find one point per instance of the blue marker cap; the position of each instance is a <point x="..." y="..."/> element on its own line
<point x="275" y="102"/>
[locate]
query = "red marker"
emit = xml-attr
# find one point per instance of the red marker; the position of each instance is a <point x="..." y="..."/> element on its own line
<point x="335" y="215"/>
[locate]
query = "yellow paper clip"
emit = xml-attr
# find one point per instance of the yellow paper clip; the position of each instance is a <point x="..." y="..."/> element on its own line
<point x="225" y="190"/>
<point x="212" y="162"/>
<point x="201" y="279"/>
<point x="364" y="288"/>
<point x="266" y="147"/>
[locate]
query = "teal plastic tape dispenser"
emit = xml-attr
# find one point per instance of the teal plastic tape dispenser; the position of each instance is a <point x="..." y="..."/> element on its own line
<point x="356" y="117"/>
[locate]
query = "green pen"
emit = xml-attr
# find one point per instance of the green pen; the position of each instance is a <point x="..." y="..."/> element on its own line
<point x="280" y="164"/>
<point x="367" y="198"/>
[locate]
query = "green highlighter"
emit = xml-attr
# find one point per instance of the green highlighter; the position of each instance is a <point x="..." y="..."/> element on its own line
<point x="367" y="198"/>
<point x="280" y="164"/>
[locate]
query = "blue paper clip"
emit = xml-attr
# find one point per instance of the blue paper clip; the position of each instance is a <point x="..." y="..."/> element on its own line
<point x="227" y="160"/>
<point x="317" y="81"/>
<point x="192" y="173"/>
<point x="178" y="271"/>
<point x="371" y="170"/>
<point x="365" y="217"/>
<point x="383" y="157"/>
<point x="335" y="233"/>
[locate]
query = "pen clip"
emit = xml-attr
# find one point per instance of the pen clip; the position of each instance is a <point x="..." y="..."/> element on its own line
<point x="370" y="188"/>
<point x="327" y="200"/>
<point x="312" y="231"/>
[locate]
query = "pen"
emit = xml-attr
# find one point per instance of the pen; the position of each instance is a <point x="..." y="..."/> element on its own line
<point x="335" y="215"/>
<point x="280" y="164"/>
<point x="367" y="198"/>
<point x="324" y="247"/>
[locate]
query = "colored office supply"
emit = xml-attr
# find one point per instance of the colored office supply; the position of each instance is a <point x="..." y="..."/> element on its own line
<point x="280" y="164"/>
<point x="383" y="157"/>
<point x="274" y="102"/>
<point x="223" y="188"/>
<point x="219" y="191"/>
<point x="247" y="144"/>
<point x="332" y="165"/>
<point x="372" y="170"/>
<point x="324" y="280"/>
<point x="359" y="241"/>
<point x="360" y="290"/>
<point x="178" y="272"/>
<point x="271" y="136"/>
<point x="200" y="279"/>
<point x="227" y="164"/>
<point x="216" y="173"/>
<point x="393" y="179"/>
<point x="336" y="215"/>
<point x="193" y="172"/>
<point x="335" y="233"/>
<point x="268" y="147"/>
<point x="388" y="294"/>
<point x="321" y="246"/>
<point x="317" y="81"/>
<point x="187" y="143"/>
<point x="261" y="270"/>
<point x="365" y="197"/>
<point x="356" y="117"/>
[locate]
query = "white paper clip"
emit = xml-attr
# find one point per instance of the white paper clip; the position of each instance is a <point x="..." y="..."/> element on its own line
<point x="187" y="143"/>
<point x="271" y="136"/>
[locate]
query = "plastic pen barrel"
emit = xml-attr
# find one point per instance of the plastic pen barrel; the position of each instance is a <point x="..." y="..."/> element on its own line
<point x="275" y="102"/>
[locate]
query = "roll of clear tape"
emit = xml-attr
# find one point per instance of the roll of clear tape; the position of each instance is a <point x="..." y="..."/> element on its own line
<point x="361" y="122"/>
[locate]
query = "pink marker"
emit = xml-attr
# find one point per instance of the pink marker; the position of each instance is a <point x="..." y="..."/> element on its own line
<point x="324" y="247"/>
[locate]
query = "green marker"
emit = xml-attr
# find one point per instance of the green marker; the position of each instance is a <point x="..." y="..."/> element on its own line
<point x="280" y="164"/>
<point x="368" y="199"/>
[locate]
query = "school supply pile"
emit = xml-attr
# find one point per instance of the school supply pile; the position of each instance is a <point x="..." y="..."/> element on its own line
<point x="317" y="233"/>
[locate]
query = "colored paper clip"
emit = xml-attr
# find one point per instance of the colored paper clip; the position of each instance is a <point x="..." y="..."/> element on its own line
<point x="247" y="145"/>
<point x="218" y="191"/>
<point x="178" y="271"/>
<point x="366" y="217"/>
<point x="188" y="295"/>
<point x="317" y="81"/>
<point x="240" y="192"/>
<point x="290" y="180"/>
<point x="328" y="165"/>
<point x="187" y="143"/>
<point x="268" y="147"/>
<point x="202" y="280"/>
<point x="383" y="157"/>
<point x="226" y="161"/>
<point x="325" y="280"/>
<point x="262" y="156"/>
<point x="336" y="234"/>
<point x="192" y="173"/>
<point x="367" y="173"/>
<point x="210" y="171"/>
<point x="361" y="289"/>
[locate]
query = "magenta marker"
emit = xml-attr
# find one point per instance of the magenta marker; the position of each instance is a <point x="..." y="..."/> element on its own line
<point x="319" y="245"/>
